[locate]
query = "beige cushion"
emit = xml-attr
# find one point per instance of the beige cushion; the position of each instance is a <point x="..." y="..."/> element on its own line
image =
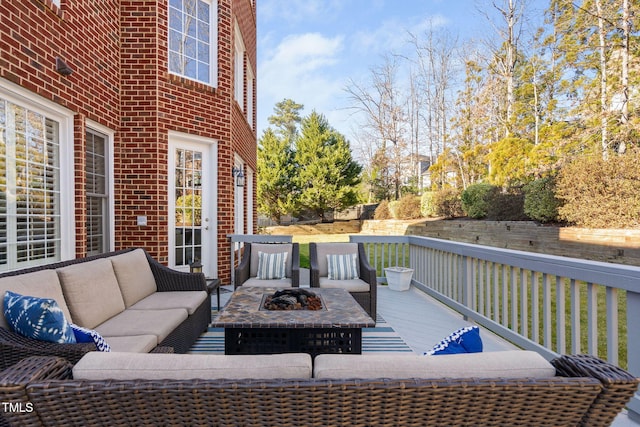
<point x="189" y="300"/>
<point x="499" y="364"/>
<point x="324" y="249"/>
<point x="97" y="365"/>
<point x="92" y="292"/>
<point x="41" y="284"/>
<point x="270" y="248"/>
<point x="275" y="283"/>
<point x="355" y="285"/>
<point x="133" y="344"/>
<point x="134" y="276"/>
<point x="143" y="322"/>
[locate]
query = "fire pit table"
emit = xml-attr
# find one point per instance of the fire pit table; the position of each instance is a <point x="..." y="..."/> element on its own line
<point x="250" y="328"/>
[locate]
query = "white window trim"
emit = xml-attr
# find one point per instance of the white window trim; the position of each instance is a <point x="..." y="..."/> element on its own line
<point x="64" y="117"/>
<point x="213" y="47"/>
<point x="90" y="124"/>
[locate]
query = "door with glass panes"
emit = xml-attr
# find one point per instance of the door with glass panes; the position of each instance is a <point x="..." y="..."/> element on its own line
<point x="192" y="194"/>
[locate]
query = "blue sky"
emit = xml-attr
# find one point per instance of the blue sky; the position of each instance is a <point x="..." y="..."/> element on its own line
<point x="309" y="49"/>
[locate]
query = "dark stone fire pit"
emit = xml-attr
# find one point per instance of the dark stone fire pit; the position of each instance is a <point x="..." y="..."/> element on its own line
<point x="293" y="299"/>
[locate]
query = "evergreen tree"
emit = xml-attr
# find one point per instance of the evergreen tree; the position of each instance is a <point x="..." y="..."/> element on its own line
<point x="326" y="175"/>
<point x="275" y="168"/>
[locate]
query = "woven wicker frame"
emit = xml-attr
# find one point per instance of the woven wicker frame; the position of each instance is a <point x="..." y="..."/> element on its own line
<point x="586" y="392"/>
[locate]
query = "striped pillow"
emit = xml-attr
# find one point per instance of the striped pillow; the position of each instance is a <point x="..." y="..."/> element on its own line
<point x="343" y="267"/>
<point x="272" y="265"/>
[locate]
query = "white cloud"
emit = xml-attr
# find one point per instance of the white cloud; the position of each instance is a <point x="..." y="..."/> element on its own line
<point x="302" y="68"/>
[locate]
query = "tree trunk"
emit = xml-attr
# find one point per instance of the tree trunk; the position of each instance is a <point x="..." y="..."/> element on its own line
<point x="603" y="80"/>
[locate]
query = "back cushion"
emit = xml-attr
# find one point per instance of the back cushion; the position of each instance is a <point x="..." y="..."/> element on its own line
<point x="270" y="248"/>
<point x="134" y="276"/>
<point x="42" y="284"/>
<point x="324" y="249"/>
<point x="92" y="292"/>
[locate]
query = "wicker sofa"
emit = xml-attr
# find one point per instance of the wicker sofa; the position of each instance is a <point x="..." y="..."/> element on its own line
<point x="579" y="390"/>
<point x="134" y="302"/>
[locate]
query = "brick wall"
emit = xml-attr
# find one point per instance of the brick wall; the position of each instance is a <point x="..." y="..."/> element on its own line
<point x="118" y="50"/>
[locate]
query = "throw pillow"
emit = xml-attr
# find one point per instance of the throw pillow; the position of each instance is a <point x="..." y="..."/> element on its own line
<point x="342" y="267"/>
<point x="89" y="335"/>
<point x="464" y="340"/>
<point x="272" y="265"/>
<point x="37" y="318"/>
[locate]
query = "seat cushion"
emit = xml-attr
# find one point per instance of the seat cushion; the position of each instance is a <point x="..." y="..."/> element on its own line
<point x="101" y="366"/>
<point x="133" y="344"/>
<point x="143" y="322"/>
<point x="497" y="364"/>
<point x="324" y="249"/>
<point x="189" y="300"/>
<point x="134" y="276"/>
<point x="43" y="284"/>
<point x="355" y="285"/>
<point x="270" y="248"/>
<point x="275" y="283"/>
<point x="92" y="292"/>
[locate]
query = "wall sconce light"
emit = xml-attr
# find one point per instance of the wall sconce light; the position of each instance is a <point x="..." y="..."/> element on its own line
<point x="239" y="176"/>
<point x="62" y="67"/>
<point x="195" y="267"/>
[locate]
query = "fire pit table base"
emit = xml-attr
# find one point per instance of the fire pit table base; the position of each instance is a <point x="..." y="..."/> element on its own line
<point x="292" y="340"/>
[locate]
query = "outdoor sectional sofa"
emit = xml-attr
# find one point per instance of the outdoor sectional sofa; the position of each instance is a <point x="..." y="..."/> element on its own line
<point x="479" y="389"/>
<point x="134" y="302"/>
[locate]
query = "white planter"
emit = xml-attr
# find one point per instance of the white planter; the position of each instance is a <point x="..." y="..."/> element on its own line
<point x="398" y="278"/>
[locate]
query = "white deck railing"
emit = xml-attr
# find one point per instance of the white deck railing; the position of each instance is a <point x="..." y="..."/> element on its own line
<point x="550" y="304"/>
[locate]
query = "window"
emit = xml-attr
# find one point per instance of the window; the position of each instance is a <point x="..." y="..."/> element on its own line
<point x="97" y="192"/>
<point x="193" y="39"/>
<point x="30" y="187"/>
<point x="250" y="83"/>
<point x="238" y="65"/>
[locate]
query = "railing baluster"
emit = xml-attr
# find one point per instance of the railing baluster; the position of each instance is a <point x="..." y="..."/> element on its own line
<point x="576" y="335"/>
<point x="612" y="325"/>
<point x="592" y="319"/>
<point x="546" y="311"/>
<point x="561" y="324"/>
<point x="535" y="307"/>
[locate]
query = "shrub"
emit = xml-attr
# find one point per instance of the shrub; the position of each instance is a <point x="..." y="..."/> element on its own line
<point x="506" y="205"/>
<point x="540" y="201"/>
<point x="382" y="211"/>
<point x="601" y="193"/>
<point x="409" y="207"/>
<point x="447" y="203"/>
<point x="476" y="199"/>
<point x="427" y="205"/>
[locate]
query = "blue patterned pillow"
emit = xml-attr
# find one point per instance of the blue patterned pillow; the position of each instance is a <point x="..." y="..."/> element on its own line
<point x="37" y="318"/>
<point x="342" y="267"/>
<point x="89" y="335"/>
<point x="464" y="340"/>
<point x="272" y="265"/>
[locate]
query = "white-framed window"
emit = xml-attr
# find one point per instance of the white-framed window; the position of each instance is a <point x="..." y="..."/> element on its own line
<point x="250" y="95"/>
<point x="98" y="188"/>
<point x="56" y="2"/>
<point x="193" y="35"/>
<point x="238" y="67"/>
<point x="36" y="180"/>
